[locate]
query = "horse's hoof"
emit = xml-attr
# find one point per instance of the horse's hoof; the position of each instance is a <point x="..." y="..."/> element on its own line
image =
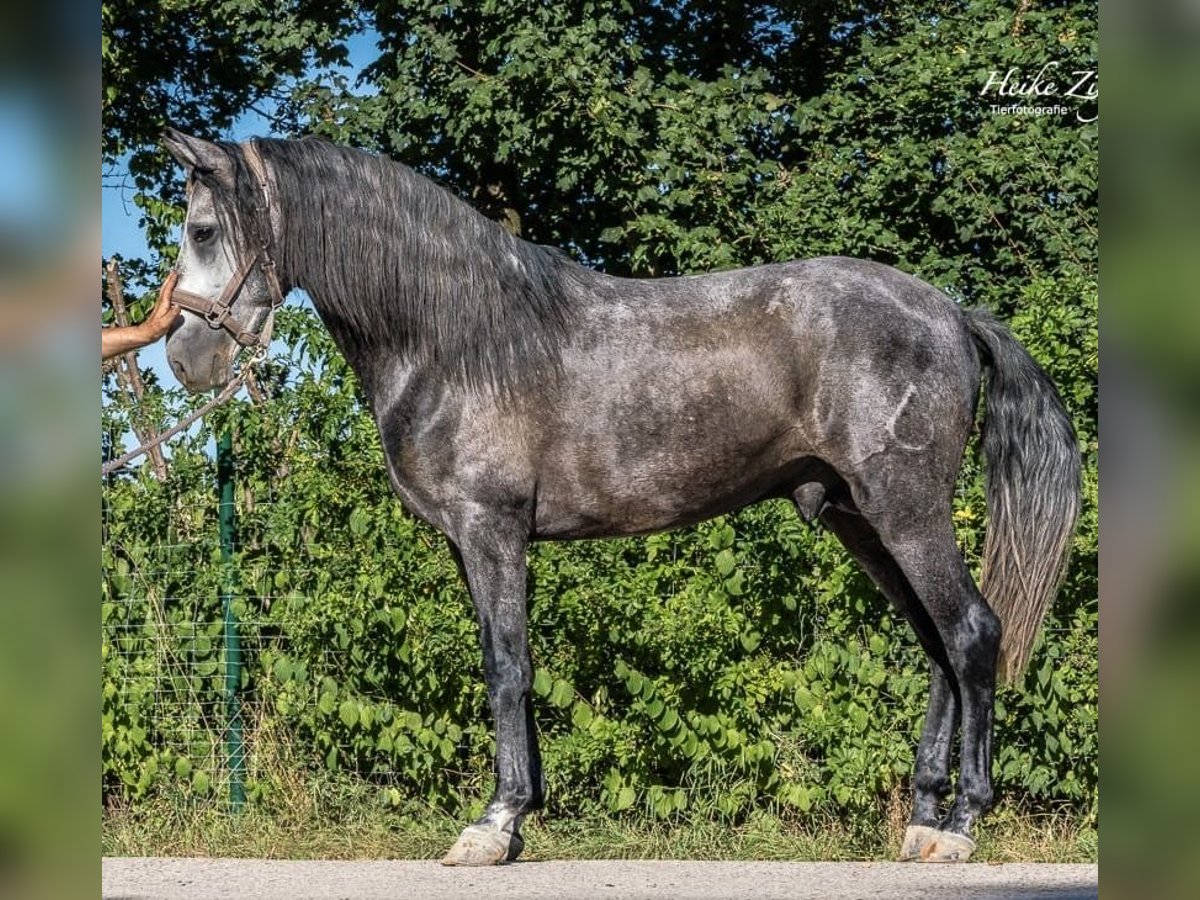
<point x="925" y="844"/>
<point x="479" y="845"/>
<point x="915" y="839"/>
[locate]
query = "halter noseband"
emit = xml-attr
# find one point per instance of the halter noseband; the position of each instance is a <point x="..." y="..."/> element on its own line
<point x="218" y="313"/>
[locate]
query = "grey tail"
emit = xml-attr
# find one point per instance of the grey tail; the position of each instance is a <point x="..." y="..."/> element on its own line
<point x="1033" y="491"/>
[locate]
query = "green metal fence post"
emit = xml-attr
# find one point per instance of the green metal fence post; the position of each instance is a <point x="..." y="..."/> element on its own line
<point x="235" y="748"/>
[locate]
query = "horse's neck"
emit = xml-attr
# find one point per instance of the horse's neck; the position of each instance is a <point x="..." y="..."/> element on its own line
<point x="385" y="373"/>
<point x="363" y="357"/>
<point x="456" y="293"/>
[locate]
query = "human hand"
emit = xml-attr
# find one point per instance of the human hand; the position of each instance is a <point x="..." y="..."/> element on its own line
<point x="164" y="311"/>
<point x="115" y="341"/>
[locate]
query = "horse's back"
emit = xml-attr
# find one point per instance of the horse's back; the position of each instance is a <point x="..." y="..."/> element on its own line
<point x="855" y="304"/>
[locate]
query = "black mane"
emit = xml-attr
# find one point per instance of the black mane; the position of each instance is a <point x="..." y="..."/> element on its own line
<point x="394" y="262"/>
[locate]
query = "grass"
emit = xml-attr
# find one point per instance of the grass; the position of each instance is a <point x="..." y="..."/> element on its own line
<point x="319" y="827"/>
<point x="305" y="814"/>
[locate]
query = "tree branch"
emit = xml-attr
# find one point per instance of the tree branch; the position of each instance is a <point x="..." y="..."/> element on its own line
<point x="129" y="376"/>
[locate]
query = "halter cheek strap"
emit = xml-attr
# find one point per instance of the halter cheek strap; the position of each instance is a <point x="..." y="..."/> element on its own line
<point x="218" y="313"/>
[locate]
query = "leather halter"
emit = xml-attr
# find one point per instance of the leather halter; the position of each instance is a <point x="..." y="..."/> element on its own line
<point x="218" y="313"/>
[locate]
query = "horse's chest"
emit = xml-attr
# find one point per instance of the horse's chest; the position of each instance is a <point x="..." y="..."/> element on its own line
<point x="446" y="467"/>
<point x="420" y="470"/>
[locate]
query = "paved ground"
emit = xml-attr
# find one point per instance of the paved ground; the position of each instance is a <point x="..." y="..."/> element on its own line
<point x="191" y="879"/>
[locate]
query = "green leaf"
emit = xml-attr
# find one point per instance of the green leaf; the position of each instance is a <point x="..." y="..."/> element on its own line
<point x="581" y="715"/>
<point x="201" y="783"/>
<point x="725" y="562"/>
<point x="562" y="694"/>
<point x="625" y="798"/>
<point x="359" y="520"/>
<point x="734" y="584"/>
<point x="798" y="796"/>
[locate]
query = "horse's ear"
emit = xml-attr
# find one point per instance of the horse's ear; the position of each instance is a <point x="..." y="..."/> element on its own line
<point x="201" y="158"/>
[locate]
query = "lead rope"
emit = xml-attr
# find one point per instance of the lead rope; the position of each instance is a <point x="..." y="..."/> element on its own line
<point x="226" y="392"/>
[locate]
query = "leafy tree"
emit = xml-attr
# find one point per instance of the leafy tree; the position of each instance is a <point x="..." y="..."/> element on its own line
<point x="199" y="66"/>
<point x="689" y="136"/>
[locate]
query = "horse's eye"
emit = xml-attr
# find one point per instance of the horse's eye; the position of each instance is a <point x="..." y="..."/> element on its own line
<point x="201" y="234"/>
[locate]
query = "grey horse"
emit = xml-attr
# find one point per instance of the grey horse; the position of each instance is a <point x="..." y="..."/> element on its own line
<point x="521" y="397"/>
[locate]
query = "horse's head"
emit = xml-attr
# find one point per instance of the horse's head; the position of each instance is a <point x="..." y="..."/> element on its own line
<point x="227" y="283"/>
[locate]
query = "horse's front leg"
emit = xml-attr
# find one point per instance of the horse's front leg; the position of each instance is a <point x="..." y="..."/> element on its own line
<point x="492" y="559"/>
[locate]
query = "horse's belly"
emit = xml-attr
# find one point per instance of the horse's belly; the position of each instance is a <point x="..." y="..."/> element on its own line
<point x="614" y="495"/>
<point x="610" y="517"/>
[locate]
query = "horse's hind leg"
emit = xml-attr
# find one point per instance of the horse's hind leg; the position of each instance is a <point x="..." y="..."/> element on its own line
<point x="923" y="547"/>
<point x="931" y="781"/>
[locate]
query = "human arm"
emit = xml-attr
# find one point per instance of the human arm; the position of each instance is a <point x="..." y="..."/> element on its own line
<point x="122" y="339"/>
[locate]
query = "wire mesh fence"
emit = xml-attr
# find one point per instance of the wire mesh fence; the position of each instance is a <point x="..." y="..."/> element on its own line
<point x="169" y="705"/>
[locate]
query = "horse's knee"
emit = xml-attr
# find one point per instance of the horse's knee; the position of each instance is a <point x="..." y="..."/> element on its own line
<point x="508" y="693"/>
<point x="509" y="676"/>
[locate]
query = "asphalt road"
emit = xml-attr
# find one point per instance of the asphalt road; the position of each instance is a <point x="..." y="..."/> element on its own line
<point x="126" y="878"/>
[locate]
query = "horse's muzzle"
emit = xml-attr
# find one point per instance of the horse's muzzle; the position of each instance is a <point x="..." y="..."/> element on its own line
<point x="216" y="374"/>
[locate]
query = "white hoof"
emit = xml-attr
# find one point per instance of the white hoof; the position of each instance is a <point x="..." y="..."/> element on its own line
<point x="915" y="838"/>
<point x="480" y="845"/>
<point x="925" y="844"/>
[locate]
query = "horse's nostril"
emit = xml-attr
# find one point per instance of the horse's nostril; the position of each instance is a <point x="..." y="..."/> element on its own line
<point x="180" y="372"/>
